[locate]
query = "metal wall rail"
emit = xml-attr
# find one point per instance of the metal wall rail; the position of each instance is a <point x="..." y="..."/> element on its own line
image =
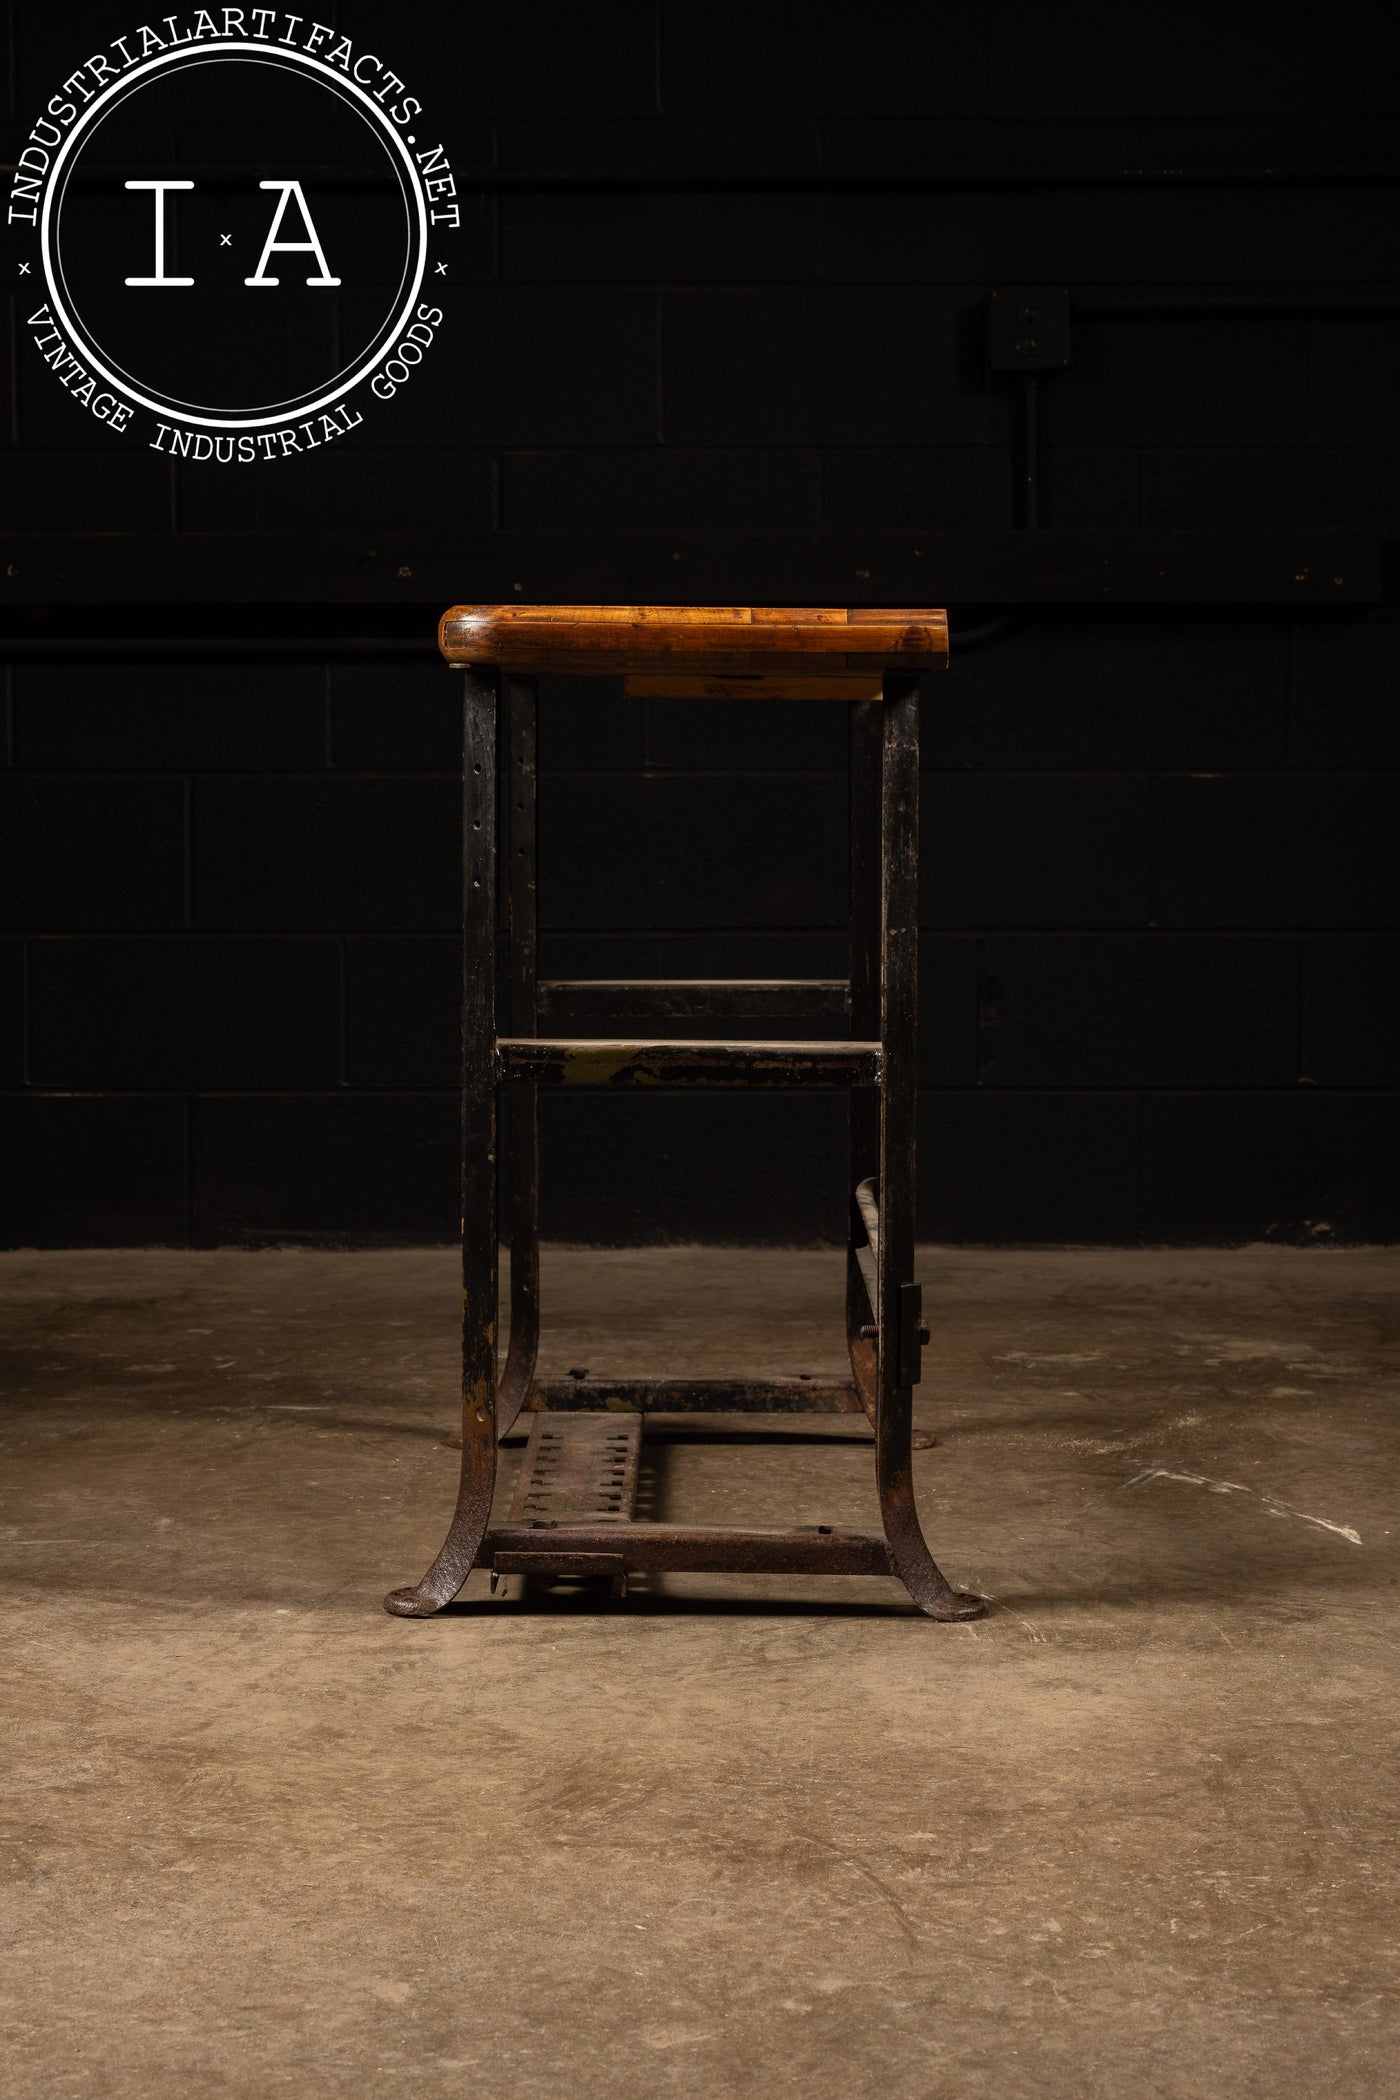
<point x="959" y="175"/>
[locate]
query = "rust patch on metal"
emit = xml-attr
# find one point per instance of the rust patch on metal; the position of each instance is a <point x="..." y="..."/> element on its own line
<point x="578" y="1468"/>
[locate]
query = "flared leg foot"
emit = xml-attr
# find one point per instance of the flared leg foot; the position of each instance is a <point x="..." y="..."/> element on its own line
<point x="952" y="1606"/>
<point x="411" y="1604"/>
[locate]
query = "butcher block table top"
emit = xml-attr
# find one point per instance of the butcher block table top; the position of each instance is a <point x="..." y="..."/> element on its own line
<point x="793" y="651"/>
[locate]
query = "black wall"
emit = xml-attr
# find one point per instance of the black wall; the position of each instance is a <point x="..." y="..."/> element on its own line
<point x="1159" y="838"/>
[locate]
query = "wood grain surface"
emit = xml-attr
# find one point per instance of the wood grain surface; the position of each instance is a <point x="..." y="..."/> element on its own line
<point x="713" y="640"/>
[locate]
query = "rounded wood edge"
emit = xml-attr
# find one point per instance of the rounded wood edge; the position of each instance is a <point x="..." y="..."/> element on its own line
<point x="482" y="633"/>
<point x="443" y="635"/>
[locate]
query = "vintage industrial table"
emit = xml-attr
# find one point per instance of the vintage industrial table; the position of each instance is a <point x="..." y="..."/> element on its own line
<point x="572" y="1512"/>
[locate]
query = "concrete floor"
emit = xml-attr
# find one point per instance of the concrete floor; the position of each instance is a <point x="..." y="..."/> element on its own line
<point x="1133" y="1834"/>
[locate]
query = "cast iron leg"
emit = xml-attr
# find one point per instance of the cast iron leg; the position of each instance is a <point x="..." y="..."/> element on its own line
<point x="864" y="971"/>
<point x="523" y="1155"/>
<point x="898" y="1318"/>
<point x="479" y="1257"/>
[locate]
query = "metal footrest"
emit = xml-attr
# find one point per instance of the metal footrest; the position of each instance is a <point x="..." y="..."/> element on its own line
<point x="578" y="1469"/>
<point x="692" y="1396"/>
<point x="571" y="1514"/>
<point x="578" y="1548"/>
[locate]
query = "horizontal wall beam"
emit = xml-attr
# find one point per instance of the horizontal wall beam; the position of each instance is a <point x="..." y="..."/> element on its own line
<point x="221" y="178"/>
<point x="170" y="572"/>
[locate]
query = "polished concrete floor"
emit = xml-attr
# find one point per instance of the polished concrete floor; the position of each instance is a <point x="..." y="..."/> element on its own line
<point x="1133" y="1834"/>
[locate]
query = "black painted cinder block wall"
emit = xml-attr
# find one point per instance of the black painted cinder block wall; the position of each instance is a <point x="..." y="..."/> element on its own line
<point x="1159" y="847"/>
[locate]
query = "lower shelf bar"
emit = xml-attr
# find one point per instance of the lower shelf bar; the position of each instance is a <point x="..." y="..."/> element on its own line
<point x="687" y="1396"/>
<point x="797" y="1549"/>
<point x="580" y="1001"/>
<point x="603" y="1061"/>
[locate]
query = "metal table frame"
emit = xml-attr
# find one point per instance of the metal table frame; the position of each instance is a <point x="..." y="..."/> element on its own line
<point x="572" y="1512"/>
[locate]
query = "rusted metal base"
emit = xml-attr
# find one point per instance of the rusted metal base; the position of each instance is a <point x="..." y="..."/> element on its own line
<point x="582" y="1392"/>
<point x="571" y="1514"/>
<point x="685" y="1396"/>
<point x="573" y="1508"/>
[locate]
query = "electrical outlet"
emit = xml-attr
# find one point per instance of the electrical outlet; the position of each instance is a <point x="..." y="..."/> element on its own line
<point x="1028" y="329"/>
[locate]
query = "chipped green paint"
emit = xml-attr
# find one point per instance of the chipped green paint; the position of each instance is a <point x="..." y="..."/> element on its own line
<point x="596" y="1065"/>
<point x="606" y="1062"/>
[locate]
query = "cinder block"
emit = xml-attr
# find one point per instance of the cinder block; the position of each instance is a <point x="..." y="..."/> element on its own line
<point x="1158" y="380"/>
<point x="1109" y="691"/>
<point x="721" y="58"/>
<point x="427" y="488"/>
<point x="723" y="1167"/>
<point x="185" y="1012"/>
<point x="1351" y="53"/>
<point x="78" y="855"/>
<point x="741" y="951"/>
<point x="661" y="491"/>
<point x="1025" y="850"/>
<point x="1249" y="490"/>
<point x="92" y="1171"/>
<point x="559" y="366"/>
<point x="377" y="1168"/>
<point x="13" y="1014"/>
<point x="1347" y="674"/>
<point x="1148" y="1010"/>
<point x="585" y="726"/>
<point x="661" y="237"/>
<point x="170" y="717"/>
<point x="94" y="490"/>
<point x="1085" y="488"/>
<point x="314" y="854"/>
<point x="1307" y="1167"/>
<point x="813" y="366"/>
<point x="738" y="851"/>
<point x="687" y="851"/>
<point x="1355" y="400"/>
<point x="1255" y="65"/>
<point x="1119" y="234"/>
<point x="903" y="490"/>
<point x="593" y="852"/>
<point x="1351" y="1010"/>
<point x="550" y="58"/>
<point x="998" y="1169"/>
<point x="1275" y="850"/>
<point x="770" y="736"/>
<point x="947" y="1011"/>
<point x="585" y="145"/>
<point x="396" y="717"/>
<point x="404" y="1011"/>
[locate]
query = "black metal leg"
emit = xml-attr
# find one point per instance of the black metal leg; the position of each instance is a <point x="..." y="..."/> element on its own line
<point x="899" y="1313"/>
<point x="864" y="971"/>
<point x="523" y="1155"/>
<point x="479" y="1254"/>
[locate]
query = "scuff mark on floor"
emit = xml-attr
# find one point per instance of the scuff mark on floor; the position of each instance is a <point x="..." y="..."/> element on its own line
<point x="1236" y="1487"/>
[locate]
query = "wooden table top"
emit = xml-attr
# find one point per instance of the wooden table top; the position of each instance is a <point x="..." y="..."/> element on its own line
<point x="816" y="642"/>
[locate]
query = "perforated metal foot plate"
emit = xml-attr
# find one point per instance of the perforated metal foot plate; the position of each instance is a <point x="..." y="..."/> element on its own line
<point x="578" y="1466"/>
